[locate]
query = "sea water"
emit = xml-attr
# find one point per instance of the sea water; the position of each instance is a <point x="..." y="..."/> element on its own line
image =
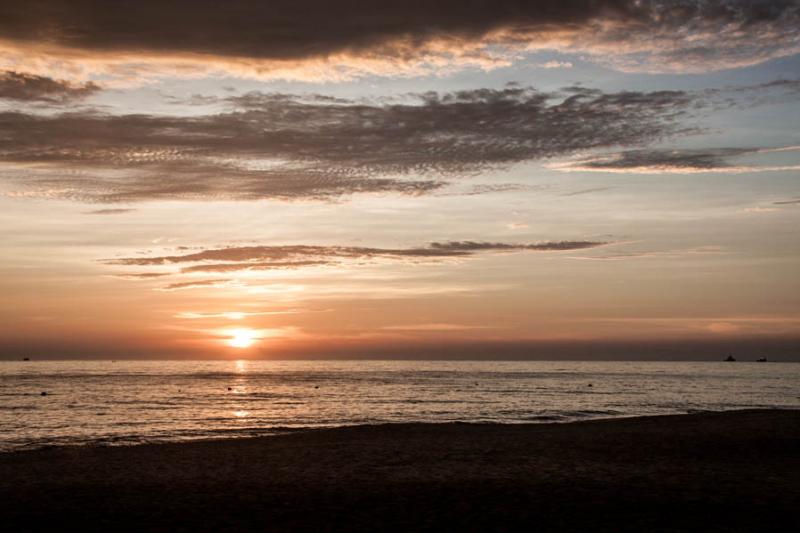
<point x="127" y="402"/>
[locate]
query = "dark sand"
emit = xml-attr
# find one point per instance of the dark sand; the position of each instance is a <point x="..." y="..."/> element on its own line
<point x="735" y="471"/>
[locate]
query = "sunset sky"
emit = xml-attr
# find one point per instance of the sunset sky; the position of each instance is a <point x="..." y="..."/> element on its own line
<point x="581" y="179"/>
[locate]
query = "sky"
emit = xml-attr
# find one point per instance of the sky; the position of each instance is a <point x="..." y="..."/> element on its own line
<point x="591" y="179"/>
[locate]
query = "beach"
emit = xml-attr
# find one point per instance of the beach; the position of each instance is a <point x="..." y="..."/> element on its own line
<point x="729" y="471"/>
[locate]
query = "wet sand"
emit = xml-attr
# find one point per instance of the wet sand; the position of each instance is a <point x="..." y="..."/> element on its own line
<point x="734" y="471"/>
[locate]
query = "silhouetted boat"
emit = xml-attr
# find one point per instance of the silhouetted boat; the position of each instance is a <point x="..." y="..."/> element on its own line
<point x="730" y="358"/>
<point x="26" y="358"/>
<point x="761" y="360"/>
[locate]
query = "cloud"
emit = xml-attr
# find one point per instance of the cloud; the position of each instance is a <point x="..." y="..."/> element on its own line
<point x="748" y="96"/>
<point x="587" y="191"/>
<point x="289" y="147"/>
<point x="723" y="327"/>
<point x="731" y="325"/>
<point x="663" y="161"/>
<point x="235" y="315"/>
<point x="787" y="202"/>
<point x="292" y="147"/>
<point x="316" y="39"/>
<point x="112" y="211"/>
<point x="253" y="266"/>
<point x="142" y="275"/>
<point x="698" y="251"/>
<point x="556" y="64"/>
<point x="313" y="146"/>
<point x="24" y="87"/>
<point x="281" y="257"/>
<point x="289" y="254"/>
<point x="487" y="188"/>
<point x="435" y="327"/>
<point x="197" y="284"/>
<point x="759" y="209"/>
<point x="517" y="225"/>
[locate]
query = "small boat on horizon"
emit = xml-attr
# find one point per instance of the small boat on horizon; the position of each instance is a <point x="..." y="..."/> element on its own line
<point x="730" y="358"/>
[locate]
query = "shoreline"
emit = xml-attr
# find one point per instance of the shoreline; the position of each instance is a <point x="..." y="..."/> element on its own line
<point x="280" y="431"/>
<point x="730" y="470"/>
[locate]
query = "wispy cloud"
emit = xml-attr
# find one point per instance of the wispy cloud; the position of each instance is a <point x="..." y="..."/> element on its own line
<point x="254" y="266"/>
<point x="112" y="211"/>
<point x="720" y="325"/>
<point x="22" y="87"/>
<point x="663" y="161"/>
<point x="204" y="283"/>
<point x="299" y="256"/>
<point x="291" y="257"/>
<point x="142" y="275"/>
<point x="517" y="225"/>
<point x="234" y="315"/>
<point x="586" y="191"/>
<point x="757" y="209"/>
<point x="435" y="327"/>
<point x="651" y="254"/>
<point x="555" y="64"/>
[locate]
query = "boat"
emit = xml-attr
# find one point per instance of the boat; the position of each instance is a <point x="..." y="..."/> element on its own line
<point x="730" y="358"/>
<point x="761" y="360"/>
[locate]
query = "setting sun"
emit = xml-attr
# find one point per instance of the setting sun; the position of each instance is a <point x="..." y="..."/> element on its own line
<point x="242" y="338"/>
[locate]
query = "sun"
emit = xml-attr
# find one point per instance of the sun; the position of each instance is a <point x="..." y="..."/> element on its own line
<point x="242" y="338"/>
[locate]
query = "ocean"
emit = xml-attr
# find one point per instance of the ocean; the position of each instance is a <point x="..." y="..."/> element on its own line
<point x="127" y="402"/>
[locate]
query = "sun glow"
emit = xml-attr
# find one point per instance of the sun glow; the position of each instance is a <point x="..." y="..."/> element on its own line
<point x="242" y="338"/>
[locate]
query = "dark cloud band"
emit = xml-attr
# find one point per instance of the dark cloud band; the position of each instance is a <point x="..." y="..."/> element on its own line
<point x="288" y="147"/>
<point x="629" y="34"/>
